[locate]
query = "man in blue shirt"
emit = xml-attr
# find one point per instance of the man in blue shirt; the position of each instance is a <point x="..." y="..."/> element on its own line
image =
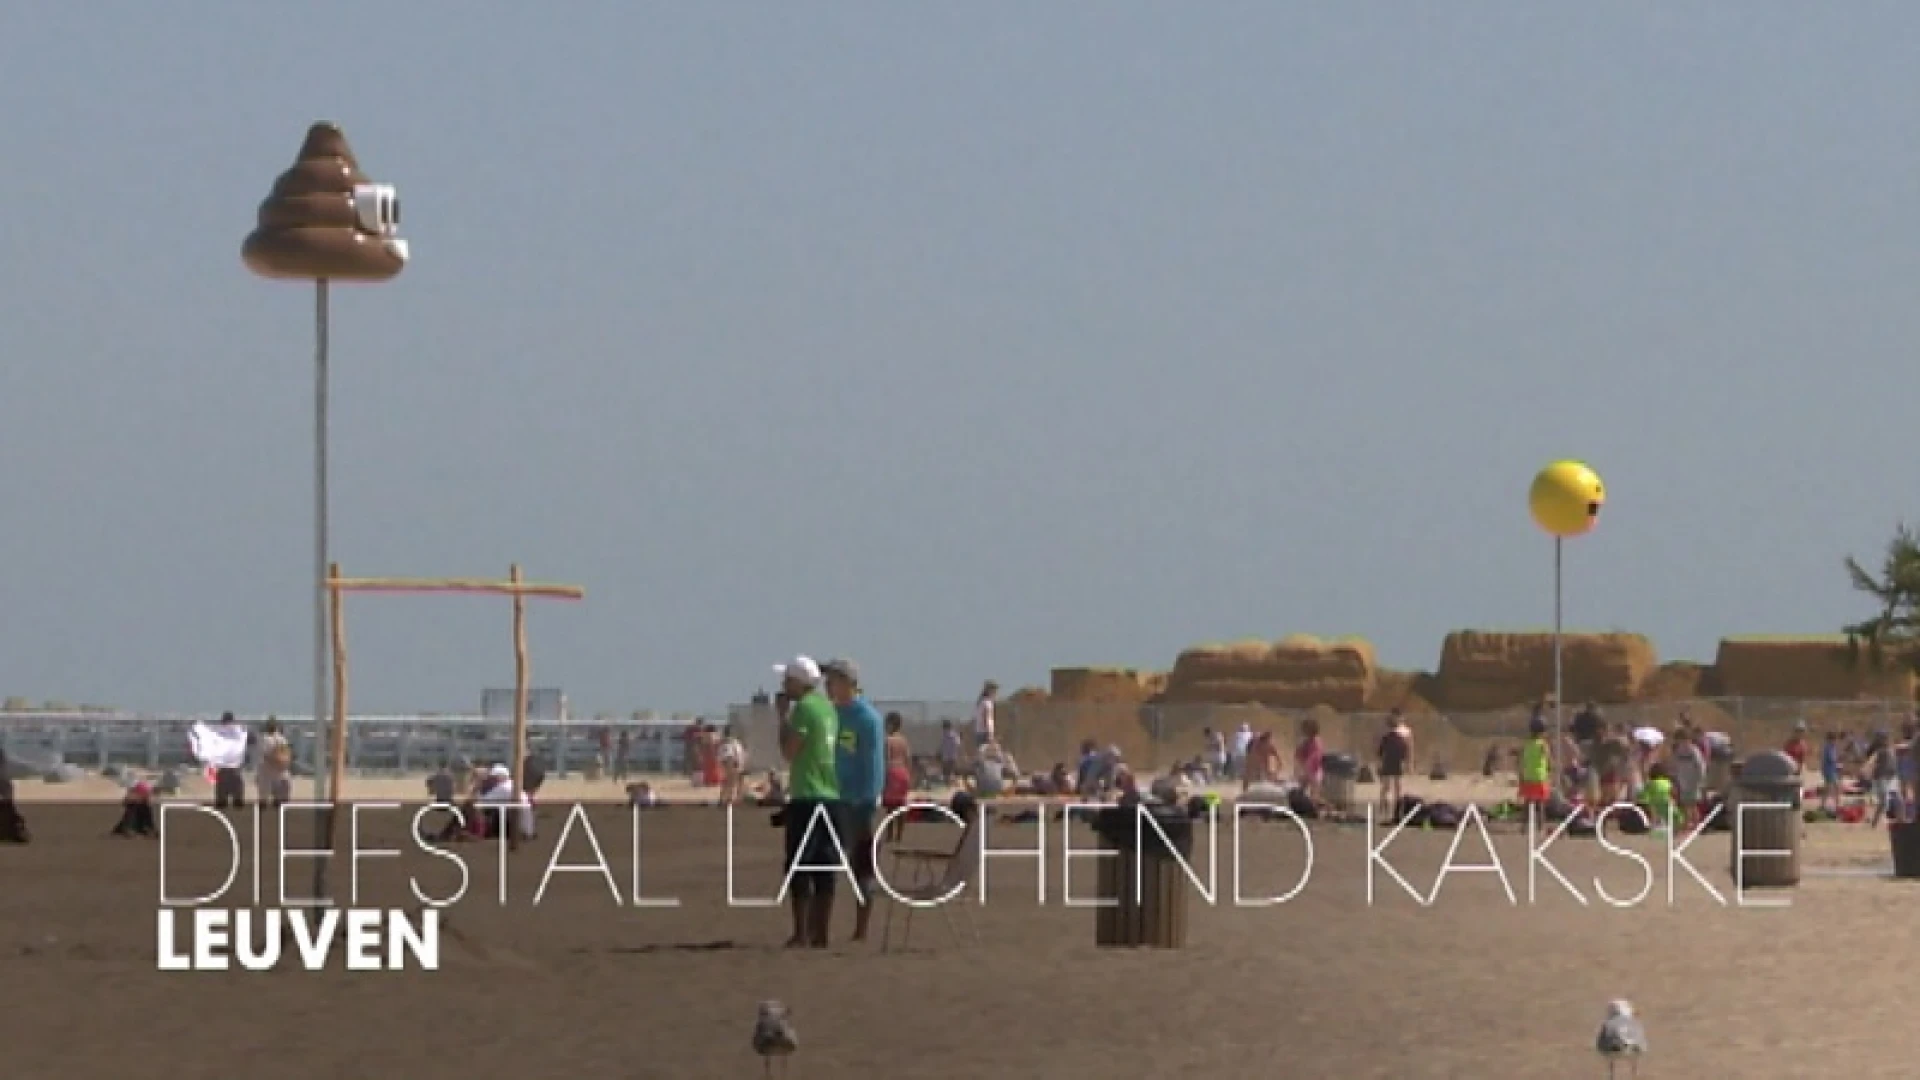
<point x="861" y="765"/>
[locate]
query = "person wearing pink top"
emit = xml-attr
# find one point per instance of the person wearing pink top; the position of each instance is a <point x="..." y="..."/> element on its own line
<point x="1308" y="757"/>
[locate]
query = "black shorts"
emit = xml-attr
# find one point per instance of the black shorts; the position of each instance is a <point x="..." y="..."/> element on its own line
<point x="816" y="849"/>
<point x="1393" y="770"/>
<point x="858" y="840"/>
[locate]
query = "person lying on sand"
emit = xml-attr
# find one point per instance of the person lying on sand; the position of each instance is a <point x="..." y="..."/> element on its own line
<point x="773" y="792"/>
<point x="136" y="812"/>
<point x="13" y="827"/>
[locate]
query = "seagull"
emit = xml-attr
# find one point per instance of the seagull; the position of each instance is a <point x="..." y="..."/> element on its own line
<point x="774" y="1036"/>
<point x="1621" y="1036"/>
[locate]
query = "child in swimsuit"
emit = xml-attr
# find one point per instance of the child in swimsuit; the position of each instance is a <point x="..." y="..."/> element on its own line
<point x="1830" y="772"/>
<point x="1536" y="765"/>
<point x="1657" y="795"/>
<point x="898" y="783"/>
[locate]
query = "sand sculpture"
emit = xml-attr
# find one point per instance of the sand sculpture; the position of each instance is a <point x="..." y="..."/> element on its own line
<point x="324" y="220"/>
<point x="1106" y="684"/>
<point x="1806" y="667"/>
<point x="1484" y="670"/>
<point x="1297" y="672"/>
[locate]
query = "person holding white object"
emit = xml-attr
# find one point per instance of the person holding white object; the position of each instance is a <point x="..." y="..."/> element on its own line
<point x="222" y="749"/>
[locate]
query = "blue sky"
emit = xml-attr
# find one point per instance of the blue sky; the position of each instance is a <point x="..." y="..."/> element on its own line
<point x="966" y="339"/>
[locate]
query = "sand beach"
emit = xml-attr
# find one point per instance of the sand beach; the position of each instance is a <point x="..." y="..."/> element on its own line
<point x="1329" y="983"/>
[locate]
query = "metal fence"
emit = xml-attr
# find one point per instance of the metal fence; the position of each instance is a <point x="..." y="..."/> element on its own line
<point x="1040" y="733"/>
<point x="375" y="744"/>
<point x="1037" y="733"/>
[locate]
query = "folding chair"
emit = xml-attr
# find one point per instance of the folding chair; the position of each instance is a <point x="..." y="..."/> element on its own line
<point x="939" y="879"/>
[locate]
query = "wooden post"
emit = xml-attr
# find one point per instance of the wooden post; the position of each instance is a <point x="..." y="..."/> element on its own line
<point x="339" y="759"/>
<point x="520" y="682"/>
<point x="516" y="587"/>
<point x="336" y="763"/>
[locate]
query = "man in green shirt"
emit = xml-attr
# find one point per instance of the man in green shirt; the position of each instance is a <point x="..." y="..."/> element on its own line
<point x="814" y="822"/>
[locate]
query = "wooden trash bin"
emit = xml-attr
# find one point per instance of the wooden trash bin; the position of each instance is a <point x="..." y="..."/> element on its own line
<point x="1774" y="778"/>
<point x="1153" y="915"/>
<point x="1905" y="839"/>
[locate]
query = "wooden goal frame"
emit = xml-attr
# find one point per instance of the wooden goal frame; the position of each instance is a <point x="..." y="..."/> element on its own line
<point x="515" y="586"/>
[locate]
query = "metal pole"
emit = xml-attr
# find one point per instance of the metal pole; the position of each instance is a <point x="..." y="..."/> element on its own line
<point x="1558" y="705"/>
<point x="321" y="768"/>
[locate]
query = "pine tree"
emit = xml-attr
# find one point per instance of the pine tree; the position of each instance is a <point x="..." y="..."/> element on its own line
<point x="1895" y="628"/>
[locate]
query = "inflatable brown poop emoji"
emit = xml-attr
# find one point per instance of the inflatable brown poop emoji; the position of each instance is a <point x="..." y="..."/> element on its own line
<point x="323" y="219"/>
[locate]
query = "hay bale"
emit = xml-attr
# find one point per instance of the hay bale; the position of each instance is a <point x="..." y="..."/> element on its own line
<point x="1295" y="673"/>
<point x="1489" y="670"/>
<point x="1813" y="667"/>
<point x="1216" y="660"/>
<point x="1409" y="691"/>
<point x="1679" y="681"/>
<point x="1103" y="684"/>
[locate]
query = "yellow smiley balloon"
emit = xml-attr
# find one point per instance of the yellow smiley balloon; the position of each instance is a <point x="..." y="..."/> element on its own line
<point x="1566" y="498"/>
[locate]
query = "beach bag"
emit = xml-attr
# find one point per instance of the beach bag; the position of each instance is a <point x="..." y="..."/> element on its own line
<point x="1410" y="810"/>
<point x="1302" y="804"/>
<point x="1631" y="823"/>
<point x="1442" y="816"/>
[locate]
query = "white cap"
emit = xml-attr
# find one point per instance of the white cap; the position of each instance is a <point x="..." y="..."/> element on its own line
<point x="500" y="772"/>
<point x="801" y="669"/>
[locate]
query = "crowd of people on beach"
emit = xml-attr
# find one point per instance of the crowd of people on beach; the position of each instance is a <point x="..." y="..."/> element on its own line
<point x="844" y="761"/>
<point x="1674" y="774"/>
